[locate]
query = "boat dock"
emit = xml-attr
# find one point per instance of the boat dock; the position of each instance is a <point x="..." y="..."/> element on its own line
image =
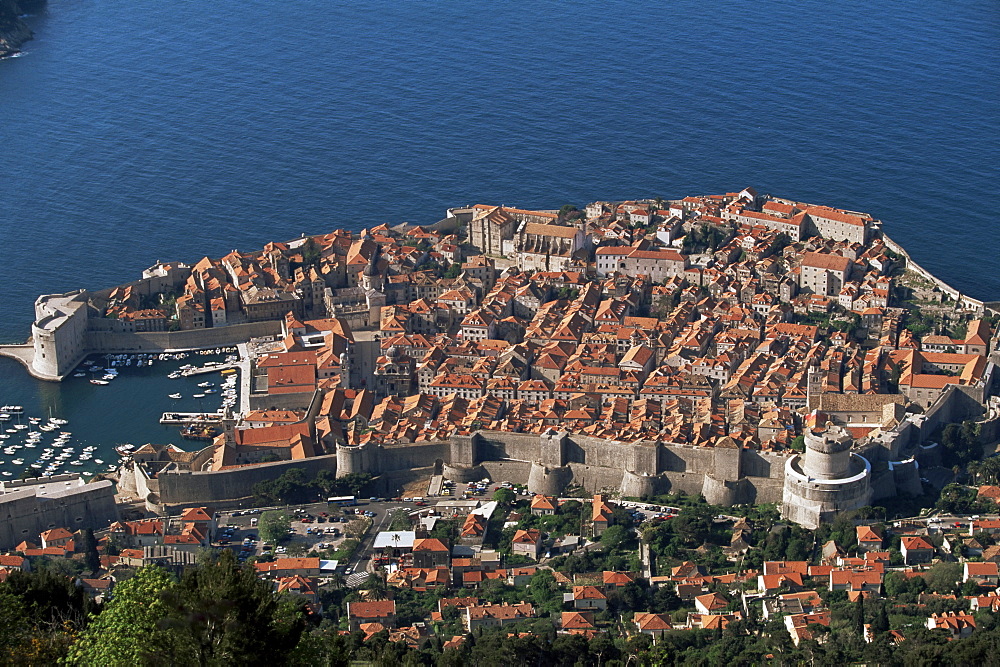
<point x="208" y="369"/>
<point x="189" y="417"/>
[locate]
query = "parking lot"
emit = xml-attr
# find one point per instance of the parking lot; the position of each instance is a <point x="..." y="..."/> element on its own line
<point x="312" y="528"/>
<point x="321" y="526"/>
<point x="481" y="490"/>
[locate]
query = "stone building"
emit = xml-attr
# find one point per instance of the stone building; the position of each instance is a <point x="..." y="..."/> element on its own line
<point x="547" y="247"/>
<point x="35" y="505"/>
<point x="490" y="227"/>
<point x="659" y="265"/>
<point x="840" y="225"/>
<point x="824" y="274"/>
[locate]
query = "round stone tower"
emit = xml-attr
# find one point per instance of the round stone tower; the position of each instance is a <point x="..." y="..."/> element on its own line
<point x="548" y="481"/>
<point x="828" y="453"/>
<point x="352" y="459"/>
<point x="827" y="480"/>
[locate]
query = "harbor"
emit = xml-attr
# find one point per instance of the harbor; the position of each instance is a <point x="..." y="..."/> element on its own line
<point x="96" y="424"/>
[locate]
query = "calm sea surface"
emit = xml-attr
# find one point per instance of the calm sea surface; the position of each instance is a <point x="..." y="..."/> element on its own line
<point x="135" y="132"/>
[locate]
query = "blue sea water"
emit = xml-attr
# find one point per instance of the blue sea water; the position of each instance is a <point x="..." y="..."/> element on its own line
<point x="136" y="132"/>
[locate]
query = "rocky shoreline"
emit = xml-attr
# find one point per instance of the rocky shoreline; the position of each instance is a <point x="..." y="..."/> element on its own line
<point x="13" y="30"/>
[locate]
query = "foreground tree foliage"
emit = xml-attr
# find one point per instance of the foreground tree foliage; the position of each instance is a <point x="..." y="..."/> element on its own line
<point x="122" y="634"/>
<point x="218" y="613"/>
<point x="222" y="613"/>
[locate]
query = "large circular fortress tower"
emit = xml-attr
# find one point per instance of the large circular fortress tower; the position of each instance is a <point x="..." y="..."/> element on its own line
<point x="827" y="480"/>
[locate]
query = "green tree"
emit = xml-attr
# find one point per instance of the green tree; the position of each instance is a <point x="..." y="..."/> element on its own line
<point x="14" y="627"/>
<point x="51" y="600"/>
<point x="223" y="614"/>
<point x="544" y="592"/>
<point x="989" y="470"/>
<point x="126" y="628"/>
<point x="615" y="537"/>
<point x="326" y="482"/>
<point x="505" y="497"/>
<point x="89" y="547"/>
<point x="273" y="526"/>
<point x="376" y="587"/>
<point x="944" y="577"/>
<point x="310" y="252"/>
<point x="352" y="484"/>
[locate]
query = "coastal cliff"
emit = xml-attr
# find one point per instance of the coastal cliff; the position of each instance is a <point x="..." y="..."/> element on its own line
<point x="13" y="30"/>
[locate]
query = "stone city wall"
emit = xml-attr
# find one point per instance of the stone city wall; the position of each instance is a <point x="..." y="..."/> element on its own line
<point x="545" y="463"/>
<point x="515" y="472"/>
<point x="103" y="342"/>
<point x="967" y="301"/>
<point x="178" y="487"/>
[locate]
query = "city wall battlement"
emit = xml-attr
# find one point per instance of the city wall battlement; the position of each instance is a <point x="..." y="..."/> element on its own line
<point x="549" y="462"/>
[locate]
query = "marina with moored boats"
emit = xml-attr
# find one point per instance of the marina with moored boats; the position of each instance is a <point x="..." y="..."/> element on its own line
<point x="108" y="407"/>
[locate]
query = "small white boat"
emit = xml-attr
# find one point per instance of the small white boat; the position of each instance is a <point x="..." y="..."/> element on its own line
<point x="7" y="473"/>
<point x="174" y="396"/>
<point x="198" y="395"/>
<point x="98" y="382"/>
<point x="18" y="462"/>
<point x="79" y="375"/>
<point x="98" y="461"/>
